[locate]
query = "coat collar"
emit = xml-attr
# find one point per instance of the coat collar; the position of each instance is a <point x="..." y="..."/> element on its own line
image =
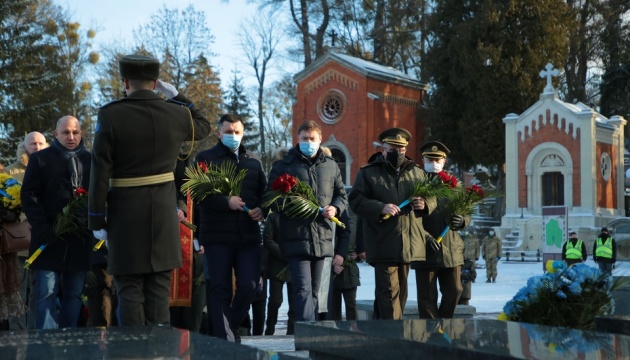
<point x="143" y="95"/>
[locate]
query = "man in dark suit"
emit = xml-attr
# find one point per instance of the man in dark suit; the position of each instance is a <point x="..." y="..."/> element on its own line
<point x="52" y="178"/>
<point x="230" y="234"/>
<point x="137" y="141"/>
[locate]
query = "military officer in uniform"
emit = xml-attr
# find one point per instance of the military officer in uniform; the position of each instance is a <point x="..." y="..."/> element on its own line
<point x="443" y="263"/>
<point x="385" y="182"/>
<point x="137" y="141"/>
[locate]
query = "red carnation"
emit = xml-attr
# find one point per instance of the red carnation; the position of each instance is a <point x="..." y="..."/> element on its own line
<point x="284" y="183"/>
<point x="80" y="191"/>
<point x="447" y="179"/>
<point x="203" y="166"/>
<point x="478" y="190"/>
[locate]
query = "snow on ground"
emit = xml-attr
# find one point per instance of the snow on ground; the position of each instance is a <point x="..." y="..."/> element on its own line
<point x="487" y="298"/>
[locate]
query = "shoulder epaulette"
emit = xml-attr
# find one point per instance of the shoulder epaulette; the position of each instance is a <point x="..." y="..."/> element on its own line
<point x="180" y="103"/>
<point x="109" y="103"/>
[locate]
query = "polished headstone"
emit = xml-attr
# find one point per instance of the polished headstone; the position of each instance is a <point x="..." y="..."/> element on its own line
<point x="120" y="343"/>
<point x="613" y="324"/>
<point x="455" y="339"/>
<point x="622" y="297"/>
<point x="365" y="310"/>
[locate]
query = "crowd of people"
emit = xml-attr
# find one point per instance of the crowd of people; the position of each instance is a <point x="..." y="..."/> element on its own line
<point x="246" y="251"/>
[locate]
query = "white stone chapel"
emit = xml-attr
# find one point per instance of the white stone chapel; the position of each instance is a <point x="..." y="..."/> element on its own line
<point x="561" y="154"/>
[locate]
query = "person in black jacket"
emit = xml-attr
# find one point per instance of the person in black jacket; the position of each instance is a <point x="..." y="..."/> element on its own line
<point x="52" y="177"/>
<point x="230" y="235"/>
<point x="306" y="242"/>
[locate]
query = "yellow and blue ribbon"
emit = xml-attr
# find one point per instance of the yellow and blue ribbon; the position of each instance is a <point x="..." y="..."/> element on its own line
<point x="33" y="257"/>
<point x="402" y="205"/>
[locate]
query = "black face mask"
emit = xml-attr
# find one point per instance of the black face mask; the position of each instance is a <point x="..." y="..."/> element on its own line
<point x="395" y="158"/>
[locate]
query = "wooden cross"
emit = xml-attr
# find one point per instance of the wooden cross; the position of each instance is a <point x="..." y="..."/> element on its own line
<point x="548" y="73"/>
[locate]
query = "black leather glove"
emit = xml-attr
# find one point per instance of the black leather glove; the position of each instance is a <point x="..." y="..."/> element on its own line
<point x="432" y="243"/>
<point x="457" y="222"/>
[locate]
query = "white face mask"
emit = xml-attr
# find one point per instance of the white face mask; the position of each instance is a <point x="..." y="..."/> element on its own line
<point x="433" y="167"/>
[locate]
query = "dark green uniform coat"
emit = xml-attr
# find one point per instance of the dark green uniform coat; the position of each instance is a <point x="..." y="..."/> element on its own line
<point x="399" y="239"/>
<point x="138" y="136"/>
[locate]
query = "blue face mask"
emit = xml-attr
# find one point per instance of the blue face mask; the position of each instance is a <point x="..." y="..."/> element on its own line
<point x="309" y="148"/>
<point x="231" y="141"/>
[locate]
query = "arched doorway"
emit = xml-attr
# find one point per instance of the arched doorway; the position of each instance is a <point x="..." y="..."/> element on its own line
<point x="340" y="158"/>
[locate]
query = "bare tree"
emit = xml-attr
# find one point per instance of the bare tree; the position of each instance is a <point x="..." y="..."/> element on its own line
<point x="259" y="41"/>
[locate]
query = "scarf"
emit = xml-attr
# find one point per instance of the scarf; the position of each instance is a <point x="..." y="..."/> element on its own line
<point x="74" y="163"/>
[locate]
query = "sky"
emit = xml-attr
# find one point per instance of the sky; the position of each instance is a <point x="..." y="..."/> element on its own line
<point x="114" y="21"/>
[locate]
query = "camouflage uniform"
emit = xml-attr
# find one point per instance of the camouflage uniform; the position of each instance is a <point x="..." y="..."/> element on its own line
<point x="491" y="252"/>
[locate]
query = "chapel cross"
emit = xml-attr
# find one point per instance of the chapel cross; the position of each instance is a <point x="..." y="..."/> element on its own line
<point x="548" y="74"/>
<point x="333" y="35"/>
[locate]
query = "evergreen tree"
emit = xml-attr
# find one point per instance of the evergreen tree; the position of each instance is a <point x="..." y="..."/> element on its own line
<point x="235" y="102"/>
<point x="42" y="62"/>
<point x="484" y="62"/>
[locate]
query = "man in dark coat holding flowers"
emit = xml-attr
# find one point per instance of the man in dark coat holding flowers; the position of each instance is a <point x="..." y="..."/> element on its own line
<point x="230" y="233"/>
<point x="443" y="263"/>
<point x="51" y="181"/>
<point x="391" y="245"/>
<point x="133" y="201"/>
<point x="306" y="242"/>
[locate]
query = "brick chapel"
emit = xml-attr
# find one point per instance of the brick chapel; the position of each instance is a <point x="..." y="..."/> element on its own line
<point x="562" y="154"/>
<point x="354" y="100"/>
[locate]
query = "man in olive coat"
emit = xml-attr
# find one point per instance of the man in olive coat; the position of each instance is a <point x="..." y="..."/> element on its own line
<point x="137" y="141"/>
<point x="381" y="185"/>
<point x="443" y="263"/>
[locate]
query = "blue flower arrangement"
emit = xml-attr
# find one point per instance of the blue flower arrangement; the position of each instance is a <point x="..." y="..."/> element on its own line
<point x="570" y="297"/>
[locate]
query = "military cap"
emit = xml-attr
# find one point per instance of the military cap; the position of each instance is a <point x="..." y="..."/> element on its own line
<point x="435" y="150"/>
<point x="395" y="136"/>
<point x="139" y="67"/>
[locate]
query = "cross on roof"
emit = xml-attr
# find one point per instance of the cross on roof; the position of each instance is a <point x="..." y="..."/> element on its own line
<point x="548" y="73"/>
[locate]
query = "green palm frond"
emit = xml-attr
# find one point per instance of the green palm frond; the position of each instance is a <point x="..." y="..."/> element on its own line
<point x="223" y="179"/>
<point x="432" y="187"/>
<point x="299" y="202"/>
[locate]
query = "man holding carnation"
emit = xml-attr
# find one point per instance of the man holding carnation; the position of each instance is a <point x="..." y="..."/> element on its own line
<point x="52" y="177"/>
<point x="443" y="262"/>
<point x="230" y="233"/>
<point x="391" y="245"/>
<point x="306" y="242"/>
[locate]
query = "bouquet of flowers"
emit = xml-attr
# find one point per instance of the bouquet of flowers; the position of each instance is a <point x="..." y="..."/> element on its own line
<point x="71" y="219"/>
<point x="570" y="297"/>
<point x="432" y="186"/>
<point x="295" y="199"/>
<point x="73" y="216"/>
<point x="203" y="180"/>
<point x="10" y="200"/>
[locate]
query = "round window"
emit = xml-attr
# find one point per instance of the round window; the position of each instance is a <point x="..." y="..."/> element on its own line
<point x="331" y="106"/>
